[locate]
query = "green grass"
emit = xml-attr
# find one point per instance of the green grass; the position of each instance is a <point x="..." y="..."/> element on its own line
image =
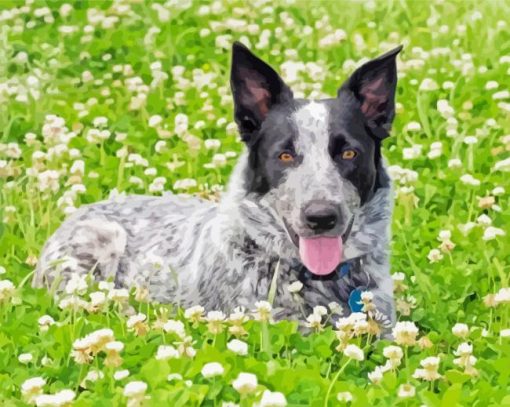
<point x="82" y="66"/>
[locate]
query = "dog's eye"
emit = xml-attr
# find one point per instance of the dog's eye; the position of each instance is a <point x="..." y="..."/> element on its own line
<point x="348" y="154"/>
<point x="286" y="157"/>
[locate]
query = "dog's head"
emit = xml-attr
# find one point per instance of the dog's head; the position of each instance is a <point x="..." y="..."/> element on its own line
<point x="314" y="162"/>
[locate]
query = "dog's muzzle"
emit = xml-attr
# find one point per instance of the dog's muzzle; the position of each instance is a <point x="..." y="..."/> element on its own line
<point x="294" y="237"/>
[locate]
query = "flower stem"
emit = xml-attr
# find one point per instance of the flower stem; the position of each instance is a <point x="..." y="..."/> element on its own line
<point x="330" y="388"/>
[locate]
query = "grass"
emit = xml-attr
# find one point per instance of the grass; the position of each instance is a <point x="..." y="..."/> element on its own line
<point x="85" y="88"/>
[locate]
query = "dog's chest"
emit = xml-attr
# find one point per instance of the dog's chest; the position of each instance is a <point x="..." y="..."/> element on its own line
<point x="342" y="286"/>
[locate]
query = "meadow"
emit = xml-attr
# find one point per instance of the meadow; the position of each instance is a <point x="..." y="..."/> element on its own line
<point x="99" y="99"/>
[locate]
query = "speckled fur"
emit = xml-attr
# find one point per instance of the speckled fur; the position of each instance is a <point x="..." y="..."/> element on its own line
<point x="188" y="251"/>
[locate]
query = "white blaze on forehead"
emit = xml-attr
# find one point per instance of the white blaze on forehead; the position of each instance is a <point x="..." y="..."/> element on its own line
<point x="313" y="136"/>
<point x="312" y="124"/>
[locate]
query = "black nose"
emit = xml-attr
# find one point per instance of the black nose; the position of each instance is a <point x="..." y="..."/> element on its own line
<point x="320" y="216"/>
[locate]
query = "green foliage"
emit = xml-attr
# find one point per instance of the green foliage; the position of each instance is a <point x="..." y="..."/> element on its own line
<point x="127" y="78"/>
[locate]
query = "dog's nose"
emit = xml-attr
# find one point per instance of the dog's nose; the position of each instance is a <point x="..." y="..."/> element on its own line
<point x="320" y="216"/>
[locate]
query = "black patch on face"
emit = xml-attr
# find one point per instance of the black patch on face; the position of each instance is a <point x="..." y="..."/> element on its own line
<point x="276" y="135"/>
<point x="347" y="131"/>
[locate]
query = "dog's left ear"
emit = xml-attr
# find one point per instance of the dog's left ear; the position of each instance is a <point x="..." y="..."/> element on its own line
<point x="374" y="85"/>
<point x="256" y="88"/>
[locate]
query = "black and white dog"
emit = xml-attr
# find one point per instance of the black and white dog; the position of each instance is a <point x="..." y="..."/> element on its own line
<point x="310" y="197"/>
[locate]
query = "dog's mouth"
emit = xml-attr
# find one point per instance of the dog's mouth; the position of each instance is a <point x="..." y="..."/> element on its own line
<point x="320" y="254"/>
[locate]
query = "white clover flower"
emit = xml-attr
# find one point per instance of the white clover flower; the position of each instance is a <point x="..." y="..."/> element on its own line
<point x="212" y="369"/>
<point x="412" y="127"/>
<point x="464" y="349"/>
<point x="406" y="391"/>
<point x="48" y="181"/>
<point x="430" y="369"/>
<point x="72" y="303"/>
<point x="7" y="290"/>
<point x="262" y="311"/>
<point x="393" y="352"/>
<point x="31" y="388"/>
<point x="504" y="333"/>
<point x="77" y="285"/>
<point x="151" y="172"/>
<point x="344" y="396"/>
<point x="354" y="352"/>
<point x="99" y="338"/>
<point x="155" y="120"/>
<point x="320" y="310"/>
<point x="434" y="256"/>
<point x="410" y="153"/>
<point x="166" y="352"/>
<point x="219" y="160"/>
<point x="97" y="299"/>
<point x="135" y="389"/>
<point x="175" y="327"/>
<point x="468" y="179"/>
<point x="60" y="399"/>
<point x="135" y="320"/>
<point x="335" y="308"/>
<point x="405" y="333"/>
<point x="502" y="296"/>
<point x="92" y="376"/>
<point x="498" y="191"/>
<point x="185" y="184"/>
<point x="160" y="146"/>
<point x="454" y="163"/>
<point x="45" y="322"/>
<point x="376" y="375"/>
<point x="157" y="185"/>
<point x="443" y="106"/>
<point x="428" y="85"/>
<point x="444" y="235"/>
<point x="470" y="140"/>
<point x="215" y="320"/>
<point x="314" y="321"/>
<point x="503" y="165"/>
<point x="436" y="150"/>
<point x="245" y="383"/>
<point x="25" y="358"/>
<point x="121" y="374"/>
<point x="195" y="313"/>
<point x="174" y="376"/>
<point x="484" y="220"/>
<point x="460" y="330"/>
<point x="114" y="346"/>
<point x="491" y="232"/>
<point x="238" y="347"/>
<point x="118" y="295"/>
<point x="212" y="144"/>
<point x="501" y="95"/>
<point x="398" y="276"/>
<point x="295" y="287"/>
<point x="272" y="399"/>
<point x="100" y="121"/>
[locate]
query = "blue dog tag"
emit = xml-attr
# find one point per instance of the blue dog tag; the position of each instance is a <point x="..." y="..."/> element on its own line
<point x="355" y="300"/>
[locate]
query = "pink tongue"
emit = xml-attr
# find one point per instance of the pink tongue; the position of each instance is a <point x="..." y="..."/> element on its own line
<point x="321" y="255"/>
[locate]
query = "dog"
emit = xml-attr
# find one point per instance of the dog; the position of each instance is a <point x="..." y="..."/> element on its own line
<point x="309" y="200"/>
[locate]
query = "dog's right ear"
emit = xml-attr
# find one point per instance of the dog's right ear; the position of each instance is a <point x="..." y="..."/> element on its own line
<point x="256" y="87"/>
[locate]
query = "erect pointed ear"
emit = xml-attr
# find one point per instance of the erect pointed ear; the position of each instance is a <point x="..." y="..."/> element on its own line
<point x="256" y="88"/>
<point x="373" y="85"/>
